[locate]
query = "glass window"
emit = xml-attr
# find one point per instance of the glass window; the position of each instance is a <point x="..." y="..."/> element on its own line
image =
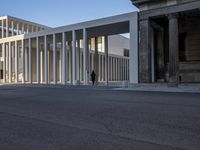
<point x="101" y="41"/>
<point x="93" y="44"/>
<point x="126" y="53"/>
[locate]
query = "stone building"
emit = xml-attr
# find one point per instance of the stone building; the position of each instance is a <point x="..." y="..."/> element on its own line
<point x="169" y="41"/>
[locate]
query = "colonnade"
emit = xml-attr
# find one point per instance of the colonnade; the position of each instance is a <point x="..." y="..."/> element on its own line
<point x="118" y="67"/>
<point x="11" y="27"/>
<point x="60" y="58"/>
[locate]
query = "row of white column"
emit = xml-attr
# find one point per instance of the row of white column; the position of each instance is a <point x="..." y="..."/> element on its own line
<point x="118" y="67"/>
<point x="10" y="53"/>
<point x="27" y="70"/>
<point x="10" y="30"/>
<point x="76" y="64"/>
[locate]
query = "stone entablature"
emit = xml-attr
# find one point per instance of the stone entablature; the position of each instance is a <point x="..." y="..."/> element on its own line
<point x="153" y="4"/>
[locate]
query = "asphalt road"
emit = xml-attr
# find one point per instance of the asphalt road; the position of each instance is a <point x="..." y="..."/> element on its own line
<point x="85" y="118"/>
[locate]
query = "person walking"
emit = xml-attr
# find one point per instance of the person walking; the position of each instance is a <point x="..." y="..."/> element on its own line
<point x="93" y="76"/>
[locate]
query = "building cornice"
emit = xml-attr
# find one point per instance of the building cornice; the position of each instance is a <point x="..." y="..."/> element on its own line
<point x="139" y="2"/>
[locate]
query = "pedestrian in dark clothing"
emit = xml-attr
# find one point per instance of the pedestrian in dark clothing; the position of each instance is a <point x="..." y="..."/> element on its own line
<point x="93" y="76"/>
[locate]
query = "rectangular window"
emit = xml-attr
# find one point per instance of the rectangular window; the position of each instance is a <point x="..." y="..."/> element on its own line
<point x="101" y="44"/>
<point x="126" y="53"/>
<point x="92" y="44"/>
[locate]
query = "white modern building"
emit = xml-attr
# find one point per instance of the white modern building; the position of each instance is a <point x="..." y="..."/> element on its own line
<point x="37" y="54"/>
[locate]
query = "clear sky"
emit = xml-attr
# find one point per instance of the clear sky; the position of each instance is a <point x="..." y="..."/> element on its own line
<point x="55" y="13"/>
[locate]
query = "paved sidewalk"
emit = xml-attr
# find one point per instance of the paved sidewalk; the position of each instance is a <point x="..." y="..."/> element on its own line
<point x="185" y="88"/>
<point x="182" y="88"/>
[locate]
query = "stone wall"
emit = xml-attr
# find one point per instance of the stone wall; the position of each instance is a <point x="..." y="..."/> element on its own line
<point x="190" y="68"/>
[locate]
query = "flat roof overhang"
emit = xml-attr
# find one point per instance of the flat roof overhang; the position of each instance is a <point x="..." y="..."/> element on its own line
<point x="105" y="26"/>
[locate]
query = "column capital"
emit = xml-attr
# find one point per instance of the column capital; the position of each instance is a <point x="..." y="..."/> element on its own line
<point x="172" y="16"/>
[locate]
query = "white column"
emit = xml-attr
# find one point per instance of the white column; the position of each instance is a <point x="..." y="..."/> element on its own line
<point x="38" y="59"/>
<point x="81" y="66"/>
<point x="70" y="61"/>
<point x="99" y="68"/>
<point x="78" y="60"/>
<point x="54" y="59"/>
<point x="41" y="65"/>
<point x="85" y="57"/>
<point x="116" y="68"/>
<point x="27" y="28"/>
<point x="126" y="68"/>
<point x="113" y="61"/>
<point x="25" y="55"/>
<point x="30" y="60"/>
<point x="106" y="60"/>
<point x="7" y="28"/>
<point x="22" y="28"/>
<point x="4" y="63"/>
<point x="108" y="73"/>
<point x="45" y="60"/>
<point x="111" y="69"/>
<point x="121" y="69"/>
<point x="74" y="57"/>
<point x="116" y="62"/>
<point x="10" y="62"/>
<point x="96" y="55"/>
<point x="7" y="62"/>
<point x="133" y="67"/>
<point x="63" y="58"/>
<point x="17" y="28"/>
<point x="12" y="25"/>
<point x="102" y="68"/>
<point x="92" y="62"/>
<point x="16" y="62"/>
<point x="128" y="74"/>
<point x="67" y="61"/>
<point x="2" y="32"/>
<point x="23" y="61"/>
<point x="117" y="73"/>
<point x="32" y="30"/>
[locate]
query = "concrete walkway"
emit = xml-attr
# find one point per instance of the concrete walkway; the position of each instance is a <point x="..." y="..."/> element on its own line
<point x="185" y="88"/>
<point x="182" y="88"/>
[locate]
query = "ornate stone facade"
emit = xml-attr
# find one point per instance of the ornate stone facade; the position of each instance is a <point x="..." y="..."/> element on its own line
<point x="169" y="41"/>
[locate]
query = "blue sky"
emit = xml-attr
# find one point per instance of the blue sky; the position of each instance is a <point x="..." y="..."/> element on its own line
<point x="55" y="13"/>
